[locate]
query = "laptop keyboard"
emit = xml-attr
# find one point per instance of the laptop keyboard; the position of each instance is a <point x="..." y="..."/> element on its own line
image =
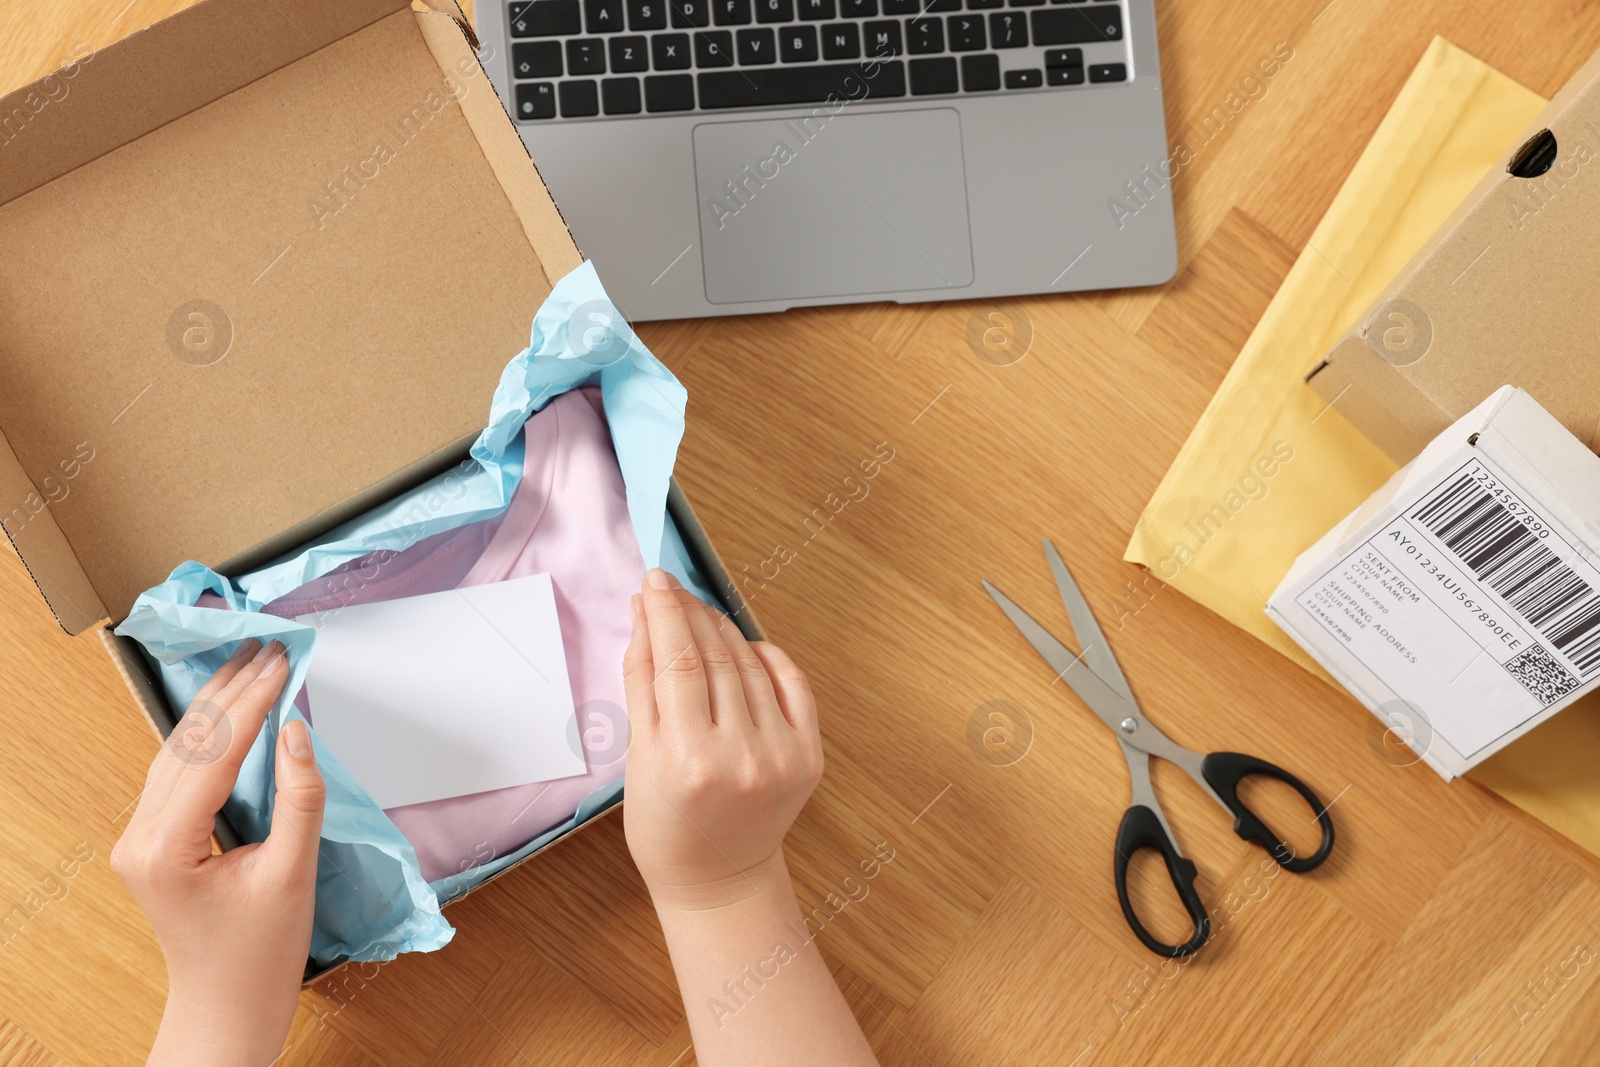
<point x="582" y="59"/>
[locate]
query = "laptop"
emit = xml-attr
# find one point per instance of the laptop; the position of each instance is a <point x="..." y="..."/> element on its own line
<point x="723" y="157"/>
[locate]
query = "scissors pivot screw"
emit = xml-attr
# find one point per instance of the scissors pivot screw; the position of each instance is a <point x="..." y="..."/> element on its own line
<point x="1128" y="726"/>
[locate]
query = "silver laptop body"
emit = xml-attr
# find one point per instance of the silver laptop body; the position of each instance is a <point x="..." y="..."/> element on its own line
<point x="796" y="152"/>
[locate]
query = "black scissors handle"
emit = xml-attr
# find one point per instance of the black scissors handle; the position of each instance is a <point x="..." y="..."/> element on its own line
<point x="1142" y="828"/>
<point x="1223" y="771"/>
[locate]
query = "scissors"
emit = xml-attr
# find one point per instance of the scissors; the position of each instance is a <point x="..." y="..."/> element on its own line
<point x="1100" y="683"/>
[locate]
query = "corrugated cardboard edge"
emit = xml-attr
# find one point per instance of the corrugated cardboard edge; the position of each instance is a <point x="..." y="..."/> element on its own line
<point x="68" y="594"/>
<point x="131" y="664"/>
<point x="453" y="9"/>
<point x="502" y="147"/>
<point x="710" y="563"/>
<point x="1384" y="414"/>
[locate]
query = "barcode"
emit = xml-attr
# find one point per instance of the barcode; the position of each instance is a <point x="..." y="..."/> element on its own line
<point x="1511" y="559"/>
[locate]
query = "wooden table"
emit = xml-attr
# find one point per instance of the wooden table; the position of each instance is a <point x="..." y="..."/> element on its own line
<point x="1448" y="925"/>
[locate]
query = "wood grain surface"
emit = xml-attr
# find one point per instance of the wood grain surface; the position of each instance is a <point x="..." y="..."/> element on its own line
<point x="1449" y="927"/>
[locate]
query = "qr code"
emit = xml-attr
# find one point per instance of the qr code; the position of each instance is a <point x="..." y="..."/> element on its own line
<point x="1541" y="675"/>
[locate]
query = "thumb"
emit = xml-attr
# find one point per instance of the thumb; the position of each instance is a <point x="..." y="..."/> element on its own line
<point x="297" y="811"/>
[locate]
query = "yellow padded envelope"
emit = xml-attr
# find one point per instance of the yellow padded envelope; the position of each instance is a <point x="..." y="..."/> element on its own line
<point x="1269" y="468"/>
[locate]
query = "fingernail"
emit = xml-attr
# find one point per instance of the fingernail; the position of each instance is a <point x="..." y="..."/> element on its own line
<point x="658" y="578"/>
<point x="297" y="739"/>
<point x="674" y="582"/>
<point x="246" y="649"/>
<point x="271" y="648"/>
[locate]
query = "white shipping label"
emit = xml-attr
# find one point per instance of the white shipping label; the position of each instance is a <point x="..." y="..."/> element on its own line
<point x="1470" y="606"/>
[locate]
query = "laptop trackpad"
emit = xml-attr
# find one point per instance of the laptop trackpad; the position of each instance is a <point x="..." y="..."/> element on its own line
<point x="832" y="204"/>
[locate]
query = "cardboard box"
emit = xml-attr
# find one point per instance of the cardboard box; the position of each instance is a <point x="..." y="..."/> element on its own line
<point x="261" y="266"/>
<point x="1502" y="293"/>
<point x="1461" y="602"/>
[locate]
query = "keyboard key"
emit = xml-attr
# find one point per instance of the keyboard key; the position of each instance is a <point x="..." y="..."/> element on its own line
<point x="841" y="40"/>
<point x="924" y="35"/>
<point x="1063" y="57"/>
<point x="1108" y="72"/>
<point x="579" y="100"/>
<point x="714" y="48"/>
<point x="883" y="38"/>
<point x="1063" y="75"/>
<point x="629" y="53"/>
<point x="980" y="5"/>
<point x="1024" y="79"/>
<point x="536" y="100"/>
<point x="757" y="47"/>
<point x="902" y="7"/>
<point x="774" y="10"/>
<point x="980" y="74"/>
<point x="798" y="85"/>
<point x="966" y="33"/>
<point x="536" y="59"/>
<point x="1077" y="25"/>
<point x="931" y="6"/>
<point x="731" y="12"/>
<point x="545" y="18"/>
<point x="1007" y="30"/>
<point x="1026" y="3"/>
<point x="669" y="51"/>
<point x="689" y="14"/>
<point x="620" y="96"/>
<point x="929" y="76"/>
<point x="796" y="44"/>
<point x="647" y="15"/>
<point x="586" y="55"/>
<point x="669" y="92"/>
<point x="603" y="16"/>
<point x="817" y="10"/>
<point x="858" y="9"/>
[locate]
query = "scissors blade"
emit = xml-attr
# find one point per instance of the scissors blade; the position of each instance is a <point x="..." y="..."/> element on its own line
<point x="1112" y="707"/>
<point x="1096" y="650"/>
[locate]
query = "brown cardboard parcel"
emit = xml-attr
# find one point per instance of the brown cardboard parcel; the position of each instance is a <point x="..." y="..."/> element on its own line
<point x="1502" y="294"/>
<point x="261" y="265"/>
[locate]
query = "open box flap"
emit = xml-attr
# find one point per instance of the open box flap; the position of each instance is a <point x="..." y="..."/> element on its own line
<point x="150" y="78"/>
<point x="262" y="263"/>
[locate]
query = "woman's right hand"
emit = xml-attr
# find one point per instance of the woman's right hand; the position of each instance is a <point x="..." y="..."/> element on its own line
<point x="724" y="753"/>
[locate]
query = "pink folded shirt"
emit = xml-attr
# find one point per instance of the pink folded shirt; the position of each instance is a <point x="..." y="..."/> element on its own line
<point x="568" y="518"/>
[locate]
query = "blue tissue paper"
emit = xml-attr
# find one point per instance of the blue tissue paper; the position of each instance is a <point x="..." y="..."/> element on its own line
<point x="372" y="901"/>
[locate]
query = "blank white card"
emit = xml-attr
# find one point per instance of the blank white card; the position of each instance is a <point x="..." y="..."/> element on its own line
<point x="445" y="694"/>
